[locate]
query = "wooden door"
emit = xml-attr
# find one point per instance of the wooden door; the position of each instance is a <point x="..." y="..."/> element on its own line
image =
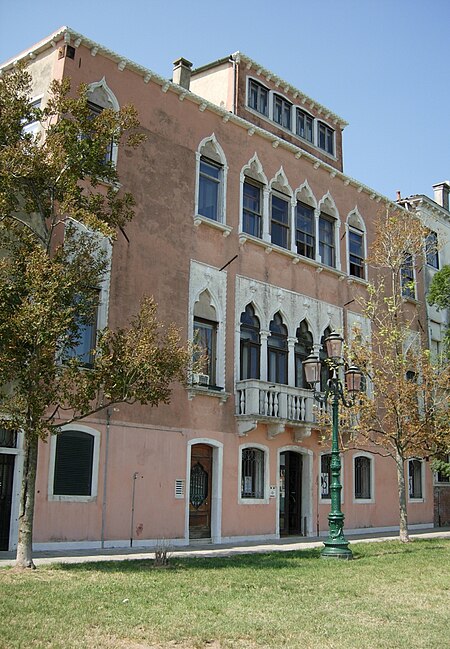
<point x="200" y="492"/>
<point x="290" y="493"/>
<point x="6" y="484"/>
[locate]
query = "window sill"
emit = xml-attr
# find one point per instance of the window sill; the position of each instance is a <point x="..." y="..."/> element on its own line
<point x="196" y="390"/>
<point x="416" y="500"/>
<point x="253" y="501"/>
<point x="357" y="280"/>
<point x="363" y="501"/>
<point x="225" y="229"/>
<point x="294" y="256"/>
<point x="72" y="499"/>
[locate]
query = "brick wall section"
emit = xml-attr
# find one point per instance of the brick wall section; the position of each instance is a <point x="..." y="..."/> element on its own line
<point x="442" y="506"/>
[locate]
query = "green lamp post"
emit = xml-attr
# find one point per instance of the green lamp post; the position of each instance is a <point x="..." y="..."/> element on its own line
<point x="336" y="545"/>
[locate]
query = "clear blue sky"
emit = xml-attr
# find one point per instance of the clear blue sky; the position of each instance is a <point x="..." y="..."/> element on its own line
<point x="382" y="65"/>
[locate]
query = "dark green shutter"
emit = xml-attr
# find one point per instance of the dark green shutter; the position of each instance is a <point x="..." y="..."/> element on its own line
<point x="73" y="464"/>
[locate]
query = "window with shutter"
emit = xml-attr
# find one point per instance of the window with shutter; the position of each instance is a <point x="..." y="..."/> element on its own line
<point x="73" y="464"/>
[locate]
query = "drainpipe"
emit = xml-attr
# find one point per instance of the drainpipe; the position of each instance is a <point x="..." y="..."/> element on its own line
<point x="234" y="84"/>
<point x="105" y="477"/>
<point x="135" y="476"/>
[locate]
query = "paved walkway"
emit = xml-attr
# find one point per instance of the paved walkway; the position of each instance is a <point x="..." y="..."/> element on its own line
<point x="210" y="550"/>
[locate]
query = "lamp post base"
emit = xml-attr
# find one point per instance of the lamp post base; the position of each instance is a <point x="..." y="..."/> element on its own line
<point x="336" y="545"/>
<point x="336" y="549"/>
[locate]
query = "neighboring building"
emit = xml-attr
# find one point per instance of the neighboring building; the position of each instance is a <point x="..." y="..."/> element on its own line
<point x="435" y="215"/>
<point x="252" y="238"/>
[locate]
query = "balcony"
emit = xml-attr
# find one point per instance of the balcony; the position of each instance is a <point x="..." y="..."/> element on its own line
<point x="278" y="406"/>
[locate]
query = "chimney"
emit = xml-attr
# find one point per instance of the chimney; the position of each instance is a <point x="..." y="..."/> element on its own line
<point x="182" y="69"/>
<point x="441" y="192"/>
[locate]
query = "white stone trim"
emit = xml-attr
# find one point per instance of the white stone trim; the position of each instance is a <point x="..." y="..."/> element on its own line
<point x="222" y="196"/>
<point x="207" y="278"/>
<point x="95" y="465"/>
<point x="254" y="501"/>
<point x="422" y="480"/>
<point x="307" y="486"/>
<point x="364" y="501"/>
<point x="216" y="488"/>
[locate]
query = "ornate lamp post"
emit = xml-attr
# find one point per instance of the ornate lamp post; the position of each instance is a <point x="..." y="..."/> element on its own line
<point x="336" y="545"/>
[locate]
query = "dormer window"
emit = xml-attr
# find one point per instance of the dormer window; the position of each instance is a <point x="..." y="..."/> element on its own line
<point x="305" y="125"/>
<point x="282" y="111"/>
<point x="325" y="138"/>
<point x="258" y="98"/>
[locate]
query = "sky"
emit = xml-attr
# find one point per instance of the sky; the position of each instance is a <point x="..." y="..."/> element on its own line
<point x="381" y="65"/>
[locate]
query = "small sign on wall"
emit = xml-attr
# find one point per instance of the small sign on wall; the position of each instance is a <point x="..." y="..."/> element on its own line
<point x="272" y="491"/>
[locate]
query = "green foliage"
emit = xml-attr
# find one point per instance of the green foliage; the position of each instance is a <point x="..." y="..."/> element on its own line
<point x="439" y="296"/>
<point x="60" y="208"/>
<point x="51" y="265"/>
<point x="439" y="292"/>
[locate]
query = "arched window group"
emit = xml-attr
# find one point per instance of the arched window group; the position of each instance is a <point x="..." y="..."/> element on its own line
<point x="276" y="353"/>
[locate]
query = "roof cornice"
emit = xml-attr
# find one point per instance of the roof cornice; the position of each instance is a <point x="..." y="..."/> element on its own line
<point x="71" y="35"/>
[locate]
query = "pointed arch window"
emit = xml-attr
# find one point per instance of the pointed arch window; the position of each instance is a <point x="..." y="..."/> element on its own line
<point x="250" y="345"/>
<point x="305" y="230"/>
<point x="303" y="348"/>
<point x="252" y="208"/>
<point x="205" y="336"/>
<point x="327" y="243"/>
<point x="279" y="220"/>
<point x="277" y="351"/>
<point x="210" y="200"/>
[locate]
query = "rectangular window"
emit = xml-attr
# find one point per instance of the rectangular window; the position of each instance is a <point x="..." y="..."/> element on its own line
<point x="258" y="97"/>
<point x="305" y="125"/>
<point x="305" y="230"/>
<point x="326" y="241"/>
<point x="252" y="473"/>
<point x="73" y="464"/>
<point x="8" y="438"/>
<point x="326" y="138"/>
<point x="415" y="479"/>
<point x="205" y="336"/>
<point x="407" y="277"/>
<point x="356" y="253"/>
<point x="282" y="111"/>
<point x="33" y="126"/>
<point x="280" y="221"/>
<point x="363" y="478"/>
<point x="431" y="250"/>
<point x="252" y="216"/>
<point x="209" y="189"/>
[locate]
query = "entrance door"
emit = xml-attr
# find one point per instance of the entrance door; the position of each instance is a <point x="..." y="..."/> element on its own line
<point x="200" y="492"/>
<point x="290" y="493"/>
<point x="6" y="486"/>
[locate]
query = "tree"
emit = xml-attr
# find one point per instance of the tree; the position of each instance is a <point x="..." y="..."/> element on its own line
<point x="59" y="203"/>
<point x="405" y="410"/>
<point x="439" y="296"/>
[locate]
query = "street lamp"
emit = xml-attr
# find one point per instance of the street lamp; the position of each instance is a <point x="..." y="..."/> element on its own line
<point x="336" y="545"/>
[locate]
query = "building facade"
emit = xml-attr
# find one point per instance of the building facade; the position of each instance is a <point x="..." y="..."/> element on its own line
<point x="253" y="241"/>
<point x="435" y="214"/>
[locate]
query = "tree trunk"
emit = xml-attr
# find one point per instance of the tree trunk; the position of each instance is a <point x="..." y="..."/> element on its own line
<point x="404" y="534"/>
<point x="24" y="557"/>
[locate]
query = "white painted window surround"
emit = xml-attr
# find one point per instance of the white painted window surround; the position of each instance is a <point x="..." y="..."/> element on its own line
<point x="210" y="148"/>
<point x="99" y="93"/>
<point x="254" y="501"/>
<point x="95" y="465"/>
<point x="365" y="501"/>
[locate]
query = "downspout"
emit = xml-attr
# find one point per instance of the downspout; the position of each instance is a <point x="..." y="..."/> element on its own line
<point x="234" y="84"/>
<point x="105" y="477"/>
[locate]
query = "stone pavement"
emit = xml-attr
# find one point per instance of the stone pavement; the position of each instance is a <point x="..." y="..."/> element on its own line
<point x="286" y="544"/>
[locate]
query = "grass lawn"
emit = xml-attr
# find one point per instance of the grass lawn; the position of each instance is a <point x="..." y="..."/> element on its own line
<point x="390" y="596"/>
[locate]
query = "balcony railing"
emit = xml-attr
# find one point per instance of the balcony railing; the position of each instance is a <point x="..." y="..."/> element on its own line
<point x="262" y="399"/>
